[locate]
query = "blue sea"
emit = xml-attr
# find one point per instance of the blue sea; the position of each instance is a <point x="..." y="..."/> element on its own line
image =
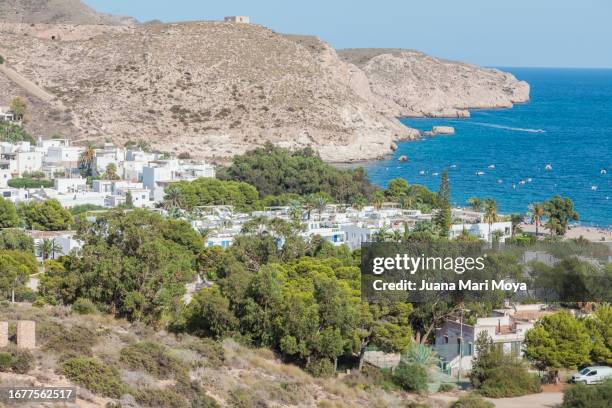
<point x="567" y="125"/>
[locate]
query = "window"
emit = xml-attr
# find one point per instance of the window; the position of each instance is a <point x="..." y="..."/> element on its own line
<point x="592" y="373"/>
<point x="445" y="339"/>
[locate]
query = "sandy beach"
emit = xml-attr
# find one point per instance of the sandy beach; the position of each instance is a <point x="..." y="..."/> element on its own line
<point x="594" y="234"/>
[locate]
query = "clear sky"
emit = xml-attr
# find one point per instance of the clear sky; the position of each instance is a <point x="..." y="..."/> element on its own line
<point x="512" y="33"/>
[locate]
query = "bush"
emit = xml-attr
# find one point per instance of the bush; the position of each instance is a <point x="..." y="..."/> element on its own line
<point x="152" y="358"/>
<point x="161" y="398"/>
<point x="74" y="342"/>
<point x="320" y="368"/>
<point x="509" y="381"/>
<point x="5" y="361"/>
<point x="411" y="377"/>
<point x="19" y="361"/>
<point x="1" y="60"/>
<point x="446" y="387"/>
<point x="212" y="351"/>
<point x="84" y="306"/>
<point x="588" y="396"/>
<point x="29" y="183"/>
<point x="94" y="375"/>
<point x="472" y="401"/>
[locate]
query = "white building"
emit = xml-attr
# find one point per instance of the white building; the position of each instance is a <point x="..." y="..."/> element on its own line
<point x="237" y="19"/>
<point x="26" y="162"/>
<point x="6" y="115"/>
<point x="69" y="185"/>
<point x="64" y="241"/>
<point x="483" y="231"/>
<point x="159" y="174"/>
<point x="507" y="328"/>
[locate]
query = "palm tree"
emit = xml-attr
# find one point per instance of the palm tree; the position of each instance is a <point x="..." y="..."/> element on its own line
<point x="475" y="204"/>
<point x="320" y="203"/>
<point x="516" y="220"/>
<point x="47" y="248"/>
<point x="86" y="160"/>
<point x="537" y="213"/>
<point x="490" y="215"/>
<point x="295" y="210"/>
<point x="174" y="198"/>
<point x="381" y="235"/>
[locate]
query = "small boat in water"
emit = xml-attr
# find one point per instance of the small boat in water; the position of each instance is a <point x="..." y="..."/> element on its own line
<point x="522" y="182"/>
<point x="594" y="188"/>
<point x="548" y="167"/>
<point x="435" y="174"/>
<point x="480" y="173"/>
<point x="603" y="171"/>
<point x="453" y="166"/>
<point x="422" y="172"/>
<point x="529" y="180"/>
<point x="492" y="166"/>
<point x="499" y="181"/>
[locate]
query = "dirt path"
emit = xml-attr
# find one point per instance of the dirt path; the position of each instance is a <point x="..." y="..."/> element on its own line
<point x="30" y="86"/>
<point x="542" y="400"/>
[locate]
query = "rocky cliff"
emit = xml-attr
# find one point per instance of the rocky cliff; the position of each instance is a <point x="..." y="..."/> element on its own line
<point x="215" y="89"/>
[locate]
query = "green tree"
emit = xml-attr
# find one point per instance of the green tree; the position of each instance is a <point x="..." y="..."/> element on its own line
<point x="209" y="191"/>
<point x="86" y="161"/>
<point x="48" y="215"/>
<point x="560" y="211"/>
<point x="19" y="107"/>
<point x="110" y="173"/>
<point x="444" y="216"/>
<point x="209" y="315"/>
<point x="558" y="341"/>
<point x="397" y="188"/>
<point x="17" y="240"/>
<point x="16" y="266"/>
<point x="273" y="171"/>
<point x="8" y="214"/>
<point x="599" y="327"/>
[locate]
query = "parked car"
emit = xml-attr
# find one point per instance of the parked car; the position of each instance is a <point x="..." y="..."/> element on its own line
<point x="592" y="375"/>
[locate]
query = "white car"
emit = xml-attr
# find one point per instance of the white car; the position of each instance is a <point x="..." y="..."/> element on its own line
<point x="592" y="375"/>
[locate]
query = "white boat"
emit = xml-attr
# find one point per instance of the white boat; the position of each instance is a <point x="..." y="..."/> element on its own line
<point x="435" y="174"/>
<point x="422" y="172"/>
<point x="594" y="188"/>
<point x="548" y="167"/>
<point x="453" y="166"/>
<point x="603" y="171"/>
<point x="529" y="180"/>
<point x="492" y="166"/>
<point x="522" y="182"/>
<point x="480" y="173"/>
<point x="499" y="181"/>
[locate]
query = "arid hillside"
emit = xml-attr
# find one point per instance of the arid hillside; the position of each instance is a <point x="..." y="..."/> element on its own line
<point x="218" y="89"/>
<point x="56" y="12"/>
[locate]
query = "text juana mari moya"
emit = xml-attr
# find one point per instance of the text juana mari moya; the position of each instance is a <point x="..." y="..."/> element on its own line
<point x="459" y="265"/>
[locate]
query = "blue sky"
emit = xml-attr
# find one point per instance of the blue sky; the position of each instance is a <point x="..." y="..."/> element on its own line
<point x="541" y="33"/>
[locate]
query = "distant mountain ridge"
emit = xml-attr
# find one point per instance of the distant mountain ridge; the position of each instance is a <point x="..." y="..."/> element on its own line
<point x="56" y="12"/>
<point x="217" y="89"/>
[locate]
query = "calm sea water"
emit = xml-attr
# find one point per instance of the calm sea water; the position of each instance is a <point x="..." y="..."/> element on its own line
<point x="567" y="125"/>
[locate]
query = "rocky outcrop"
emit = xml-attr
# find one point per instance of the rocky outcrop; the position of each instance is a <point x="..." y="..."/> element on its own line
<point x="410" y="83"/>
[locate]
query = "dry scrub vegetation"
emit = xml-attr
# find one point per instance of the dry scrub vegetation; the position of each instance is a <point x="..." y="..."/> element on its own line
<point x="116" y="363"/>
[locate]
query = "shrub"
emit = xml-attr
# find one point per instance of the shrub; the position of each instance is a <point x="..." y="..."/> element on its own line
<point x="472" y="401"/>
<point x="29" y="183"/>
<point x="152" y="358"/>
<point x="411" y="377"/>
<point x="446" y="387"/>
<point x="212" y="351"/>
<point x="509" y="381"/>
<point x="5" y="361"/>
<point x="84" y="306"/>
<point x="320" y="368"/>
<point x="1" y="60"/>
<point x="242" y="398"/>
<point x="74" y="342"/>
<point x="588" y="396"/>
<point x="94" y="375"/>
<point x="19" y="361"/>
<point x="161" y="398"/>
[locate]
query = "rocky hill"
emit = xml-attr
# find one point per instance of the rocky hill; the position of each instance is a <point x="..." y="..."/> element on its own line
<point x="56" y="12"/>
<point x="410" y="83"/>
<point x="216" y="89"/>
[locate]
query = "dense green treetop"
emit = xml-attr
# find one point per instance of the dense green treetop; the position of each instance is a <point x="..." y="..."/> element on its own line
<point x="48" y="215"/>
<point x="13" y="133"/>
<point x="209" y="191"/>
<point x="8" y="214"/>
<point x="275" y="171"/>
